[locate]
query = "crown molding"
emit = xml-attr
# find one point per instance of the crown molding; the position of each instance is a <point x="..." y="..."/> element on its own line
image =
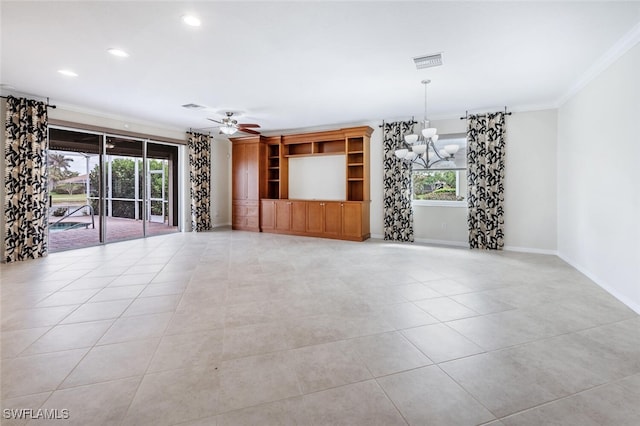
<point x="622" y="46"/>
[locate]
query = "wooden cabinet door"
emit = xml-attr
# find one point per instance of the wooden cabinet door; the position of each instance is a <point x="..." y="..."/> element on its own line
<point x="298" y="216"/>
<point x="314" y="217"/>
<point x="352" y="220"/>
<point x="283" y="215"/>
<point x="252" y="167"/>
<point x="332" y="218"/>
<point x="239" y="177"/>
<point x="267" y="215"/>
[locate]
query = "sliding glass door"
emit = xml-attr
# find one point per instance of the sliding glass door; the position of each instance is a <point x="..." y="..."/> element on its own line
<point x="125" y="188"/>
<point x="105" y="188"/>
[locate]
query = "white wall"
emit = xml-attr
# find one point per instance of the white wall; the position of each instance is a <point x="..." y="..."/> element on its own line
<point x="114" y="122"/>
<point x="220" y="182"/>
<point x="598" y="190"/>
<point x="530" y="187"/>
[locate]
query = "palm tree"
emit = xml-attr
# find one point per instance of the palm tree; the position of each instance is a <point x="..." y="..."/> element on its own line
<point x="59" y="161"/>
<point x="58" y="167"/>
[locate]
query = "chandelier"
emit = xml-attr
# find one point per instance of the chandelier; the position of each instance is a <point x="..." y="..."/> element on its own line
<point x="421" y="149"/>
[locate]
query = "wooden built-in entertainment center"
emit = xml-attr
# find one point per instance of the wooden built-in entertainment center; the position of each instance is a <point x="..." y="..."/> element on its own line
<point x="260" y="188"/>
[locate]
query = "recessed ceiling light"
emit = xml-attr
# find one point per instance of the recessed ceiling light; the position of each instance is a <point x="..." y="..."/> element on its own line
<point x="68" y="73"/>
<point x="191" y="20"/>
<point x="118" y="52"/>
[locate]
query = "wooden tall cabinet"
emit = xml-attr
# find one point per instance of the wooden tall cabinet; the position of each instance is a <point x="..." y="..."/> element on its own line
<point x="261" y="177"/>
<point x="245" y="186"/>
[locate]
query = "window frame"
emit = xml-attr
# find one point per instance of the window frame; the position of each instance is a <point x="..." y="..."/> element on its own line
<point x="442" y="203"/>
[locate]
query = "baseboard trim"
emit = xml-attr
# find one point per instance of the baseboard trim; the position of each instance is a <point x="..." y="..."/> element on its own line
<point x="429" y="241"/>
<point x="442" y="242"/>
<point x="602" y="284"/>
<point x="221" y="225"/>
<point x="530" y="250"/>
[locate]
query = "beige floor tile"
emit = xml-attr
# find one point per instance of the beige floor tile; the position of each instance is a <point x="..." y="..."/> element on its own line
<point x="85" y="283"/>
<point x="98" y="404"/>
<point x="441" y="343"/>
<point x="12" y="343"/>
<point x="28" y="402"/>
<point x="200" y="349"/>
<point x="37" y="373"/>
<point x="254" y="340"/>
<point x="347" y="315"/>
<point x="111" y="362"/>
<point x="427" y="396"/>
<point x="286" y="412"/>
<point x="503" y="329"/>
<point x="448" y="287"/>
<point x="501" y="384"/>
<point x="314" y="330"/>
<point x="37" y="317"/>
<point x="405" y="315"/>
<point x="132" y="279"/>
<point x="328" y="365"/>
<point x="64" y="298"/>
<point x="169" y="397"/>
<point x="417" y="291"/>
<point x="69" y="336"/>
<point x="163" y="289"/>
<point x="245" y="382"/>
<point x="481" y="303"/>
<point x="210" y="318"/>
<point x="356" y="404"/>
<point x="250" y="313"/>
<point x="445" y="309"/>
<point x="152" y="305"/>
<point x="389" y="353"/>
<point x="118" y="293"/>
<point x="98" y="311"/>
<point x="135" y="328"/>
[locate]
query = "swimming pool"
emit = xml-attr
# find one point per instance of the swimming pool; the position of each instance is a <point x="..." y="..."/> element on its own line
<point x="64" y="226"/>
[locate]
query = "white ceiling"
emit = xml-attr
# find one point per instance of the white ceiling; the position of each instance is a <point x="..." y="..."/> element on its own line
<point x="300" y="64"/>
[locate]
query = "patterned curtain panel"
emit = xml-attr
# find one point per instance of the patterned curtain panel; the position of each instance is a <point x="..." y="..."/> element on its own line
<point x="25" y="179"/>
<point x="485" y="176"/>
<point x="398" y="213"/>
<point x="200" y="180"/>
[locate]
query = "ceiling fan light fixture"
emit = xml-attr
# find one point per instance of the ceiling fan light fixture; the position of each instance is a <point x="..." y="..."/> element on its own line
<point x="228" y="130"/>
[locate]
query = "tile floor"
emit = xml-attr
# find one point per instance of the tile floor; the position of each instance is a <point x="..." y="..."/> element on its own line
<point x="235" y="328"/>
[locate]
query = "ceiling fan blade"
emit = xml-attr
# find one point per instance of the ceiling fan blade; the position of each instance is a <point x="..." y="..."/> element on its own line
<point x="253" y="132"/>
<point x="248" y="125"/>
<point x="215" y="121"/>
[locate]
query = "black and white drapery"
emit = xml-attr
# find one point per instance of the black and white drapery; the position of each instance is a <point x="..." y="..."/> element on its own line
<point x="200" y="180"/>
<point x="485" y="177"/>
<point x="25" y="205"/>
<point x="398" y="212"/>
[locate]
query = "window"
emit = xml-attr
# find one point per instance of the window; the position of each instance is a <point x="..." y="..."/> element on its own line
<point x="443" y="186"/>
<point x="439" y="185"/>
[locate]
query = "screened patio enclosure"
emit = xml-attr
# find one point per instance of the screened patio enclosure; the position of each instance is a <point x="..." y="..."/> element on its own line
<point x="106" y="188"/>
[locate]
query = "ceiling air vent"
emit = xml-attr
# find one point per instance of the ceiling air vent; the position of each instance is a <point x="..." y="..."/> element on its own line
<point x="192" y="106"/>
<point x="428" y="61"/>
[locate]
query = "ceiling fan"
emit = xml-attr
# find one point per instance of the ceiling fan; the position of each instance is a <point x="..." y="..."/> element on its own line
<point x="231" y="125"/>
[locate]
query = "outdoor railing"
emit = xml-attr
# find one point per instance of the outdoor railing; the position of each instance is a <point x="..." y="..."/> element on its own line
<point x="67" y="214"/>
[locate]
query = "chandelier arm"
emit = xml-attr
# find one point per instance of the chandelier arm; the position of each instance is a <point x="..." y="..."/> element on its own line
<point x="422" y="163"/>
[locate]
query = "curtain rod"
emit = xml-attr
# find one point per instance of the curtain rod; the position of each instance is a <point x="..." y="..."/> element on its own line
<point x="466" y="114"/>
<point x="194" y="131"/>
<point x="48" y="104"/>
